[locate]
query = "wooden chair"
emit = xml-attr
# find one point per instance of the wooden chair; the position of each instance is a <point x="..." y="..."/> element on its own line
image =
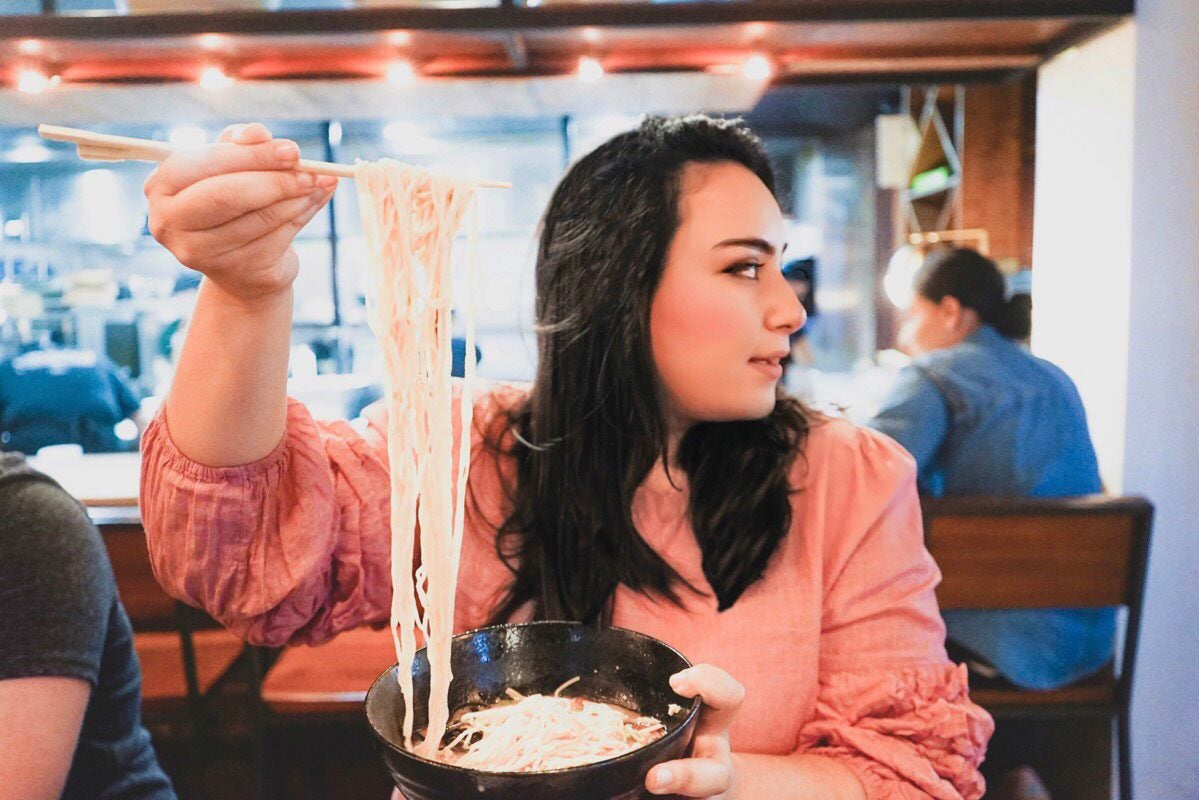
<point x="184" y="653"/>
<point x="1086" y="552"/>
<point x="330" y="679"/>
<point x="318" y="685"/>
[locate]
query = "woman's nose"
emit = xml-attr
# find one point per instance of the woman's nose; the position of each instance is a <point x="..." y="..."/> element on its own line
<point x="785" y="312"/>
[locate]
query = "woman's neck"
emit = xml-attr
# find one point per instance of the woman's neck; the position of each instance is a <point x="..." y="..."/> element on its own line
<point x="658" y="480"/>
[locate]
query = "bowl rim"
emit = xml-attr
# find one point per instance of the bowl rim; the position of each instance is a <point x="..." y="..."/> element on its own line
<point x="692" y="713"/>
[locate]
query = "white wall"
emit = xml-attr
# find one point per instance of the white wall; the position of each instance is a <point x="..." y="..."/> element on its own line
<point x="1161" y="458"/>
<point x="1116" y="285"/>
<point x="1083" y="229"/>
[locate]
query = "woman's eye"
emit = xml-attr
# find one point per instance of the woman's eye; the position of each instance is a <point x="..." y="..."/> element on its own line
<point x="746" y="269"/>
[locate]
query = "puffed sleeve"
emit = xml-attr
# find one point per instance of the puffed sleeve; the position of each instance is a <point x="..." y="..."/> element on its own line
<point x="292" y="548"/>
<point x="891" y="706"/>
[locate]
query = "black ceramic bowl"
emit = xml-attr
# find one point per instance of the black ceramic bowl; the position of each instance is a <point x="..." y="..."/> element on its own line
<point x="615" y="665"/>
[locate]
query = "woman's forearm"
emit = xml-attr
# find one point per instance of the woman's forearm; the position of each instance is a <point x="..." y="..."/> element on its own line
<point x="798" y="777"/>
<point x="228" y="400"/>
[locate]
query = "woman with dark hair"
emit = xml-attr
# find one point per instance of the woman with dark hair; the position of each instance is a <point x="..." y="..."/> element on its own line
<point x="651" y="477"/>
<point x="983" y="416"/>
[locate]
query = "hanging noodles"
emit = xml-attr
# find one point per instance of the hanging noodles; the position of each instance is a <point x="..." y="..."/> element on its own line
<point x="410" y="217"/>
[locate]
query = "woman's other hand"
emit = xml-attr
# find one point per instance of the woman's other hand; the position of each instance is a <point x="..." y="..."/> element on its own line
<point x="710" y="771"/>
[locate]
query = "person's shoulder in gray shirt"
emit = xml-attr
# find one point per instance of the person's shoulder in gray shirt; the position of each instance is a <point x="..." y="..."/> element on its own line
<point x="60" y="616"/>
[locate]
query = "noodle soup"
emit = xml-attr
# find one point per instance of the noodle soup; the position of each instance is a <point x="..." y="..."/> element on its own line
<point x="537" y="732"/>
<point x="613" y="688"/>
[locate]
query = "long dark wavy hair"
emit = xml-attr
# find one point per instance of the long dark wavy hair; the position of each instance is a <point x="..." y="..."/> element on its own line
<point x="592" y="427"/>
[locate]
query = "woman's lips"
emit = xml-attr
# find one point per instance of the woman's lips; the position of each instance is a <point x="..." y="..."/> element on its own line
<point x="770" y="367"/>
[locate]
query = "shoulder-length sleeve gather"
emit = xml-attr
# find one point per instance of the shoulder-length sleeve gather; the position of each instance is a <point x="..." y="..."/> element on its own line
<point x="890" y="707"/>
<point x="292" y="548"/>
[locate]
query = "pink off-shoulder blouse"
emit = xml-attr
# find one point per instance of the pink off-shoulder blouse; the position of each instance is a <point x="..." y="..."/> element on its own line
<point x="839" y="646"/>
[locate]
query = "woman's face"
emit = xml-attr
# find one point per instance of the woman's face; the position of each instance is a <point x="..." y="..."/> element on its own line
<point x="722" y="316"/>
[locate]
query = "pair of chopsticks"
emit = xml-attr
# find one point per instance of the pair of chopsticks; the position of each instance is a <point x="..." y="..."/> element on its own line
<point x="106" y="147"/>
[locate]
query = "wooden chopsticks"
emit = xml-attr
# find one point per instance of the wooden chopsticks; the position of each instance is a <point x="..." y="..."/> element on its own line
<point x="106" y="147"/>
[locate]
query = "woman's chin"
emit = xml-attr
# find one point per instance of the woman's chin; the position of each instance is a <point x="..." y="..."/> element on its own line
<point x="765" y="407"/>
<point x="758" y="408"/>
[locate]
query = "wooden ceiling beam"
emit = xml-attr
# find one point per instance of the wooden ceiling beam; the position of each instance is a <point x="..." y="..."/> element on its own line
<point x="512" y="18"/>
<point x="507" y="59"/>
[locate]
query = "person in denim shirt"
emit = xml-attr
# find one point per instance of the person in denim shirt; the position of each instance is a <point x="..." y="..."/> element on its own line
<point x="983" y="416"/>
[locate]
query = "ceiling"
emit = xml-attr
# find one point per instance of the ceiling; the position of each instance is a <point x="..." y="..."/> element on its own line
<point x="520" y="60"/>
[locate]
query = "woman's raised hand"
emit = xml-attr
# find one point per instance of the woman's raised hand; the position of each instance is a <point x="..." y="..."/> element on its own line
<point x="231" y="210"/>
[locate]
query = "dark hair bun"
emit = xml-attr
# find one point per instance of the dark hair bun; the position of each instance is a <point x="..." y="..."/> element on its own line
<point x="976" y="282"/>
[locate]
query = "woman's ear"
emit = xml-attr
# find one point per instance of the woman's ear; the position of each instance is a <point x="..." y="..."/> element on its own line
<point x="951" y="312"/>
<point x="960" y="321"/>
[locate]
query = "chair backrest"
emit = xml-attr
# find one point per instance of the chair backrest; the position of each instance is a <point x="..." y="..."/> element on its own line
<point x="1079" y="552"/>
<point x="149" y="607"/>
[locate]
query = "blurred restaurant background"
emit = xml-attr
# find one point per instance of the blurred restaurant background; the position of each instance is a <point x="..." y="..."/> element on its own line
<point x="1056" y="137"/>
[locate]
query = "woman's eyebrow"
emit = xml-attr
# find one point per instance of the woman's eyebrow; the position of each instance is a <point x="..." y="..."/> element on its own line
<point x="753" y="243"/>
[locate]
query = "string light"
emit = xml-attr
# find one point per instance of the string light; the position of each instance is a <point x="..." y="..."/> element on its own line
<point x="755" y="30"/>
<point x="400" y="73"/>
<point x="590" y="69"/>
<point x="31" y="81"/>
<point x="757" y="68"/>
<point x="214" y="78"/>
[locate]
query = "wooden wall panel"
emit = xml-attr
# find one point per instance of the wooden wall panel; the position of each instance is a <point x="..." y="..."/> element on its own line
<point x="998" y="165"/>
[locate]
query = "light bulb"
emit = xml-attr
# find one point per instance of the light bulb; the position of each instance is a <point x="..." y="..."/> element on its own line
<point x="757" y="68"/>
<point x="590" y="69"/>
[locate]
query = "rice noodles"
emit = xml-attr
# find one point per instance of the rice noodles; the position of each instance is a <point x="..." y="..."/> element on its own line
<point x="540" y="732"/>
<point x="410" y="217"/>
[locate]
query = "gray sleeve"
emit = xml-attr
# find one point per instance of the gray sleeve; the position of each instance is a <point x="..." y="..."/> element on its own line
<point x="56" y="584"/>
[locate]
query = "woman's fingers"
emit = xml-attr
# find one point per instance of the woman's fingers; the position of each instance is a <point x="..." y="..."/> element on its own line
<point x="252" y="133"/>
<point x="691" y="777"/>
<point x="186" y="167"/>
<point x="229" y="132"/>
<point x="294" y="211"/>
<point x="266" y="249"/>
<point x="709" y="772"/>
<point x="721" y="693"/>
<point x="215" y="201"/>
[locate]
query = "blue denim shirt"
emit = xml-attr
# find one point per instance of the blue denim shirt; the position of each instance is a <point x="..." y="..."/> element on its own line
<point x="986" y="417"/>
